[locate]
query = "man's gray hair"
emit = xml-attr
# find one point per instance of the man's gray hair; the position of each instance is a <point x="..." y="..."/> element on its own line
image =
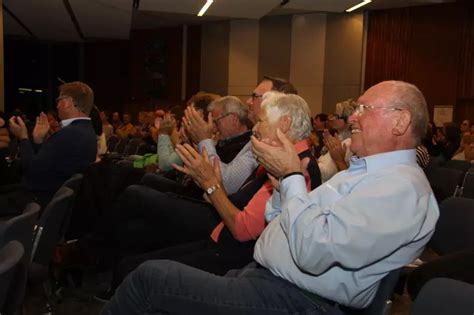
<point x="278" y="105"/>
<point x="231" y="104"/>
<point x="408" y="96"/>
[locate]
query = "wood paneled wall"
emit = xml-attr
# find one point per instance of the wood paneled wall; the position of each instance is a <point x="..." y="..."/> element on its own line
<point x="429" y="46"/>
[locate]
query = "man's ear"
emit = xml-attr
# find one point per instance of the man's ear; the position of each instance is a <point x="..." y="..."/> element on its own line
<point x="285" y="124"/>
<point x="402" y="122"/>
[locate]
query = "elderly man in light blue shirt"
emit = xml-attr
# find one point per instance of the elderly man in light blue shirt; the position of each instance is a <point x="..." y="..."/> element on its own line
<point x="325" y="248"/>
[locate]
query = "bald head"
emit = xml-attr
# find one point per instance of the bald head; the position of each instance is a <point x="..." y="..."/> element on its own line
<point x="403" y="95"/>
<point x="391" y="116"/>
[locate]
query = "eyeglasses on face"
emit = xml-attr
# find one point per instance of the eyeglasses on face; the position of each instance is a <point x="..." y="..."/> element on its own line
<point x="254" y="96"/>
<point x="220" y="117"/>
<point x="61" y="97"/>
<point x="361" y="108"/>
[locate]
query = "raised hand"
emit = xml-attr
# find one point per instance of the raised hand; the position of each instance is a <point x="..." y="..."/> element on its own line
<point x="278" y="159"/>
<point x="41" y="128"/>
<point x="197" y="166"/>
<point x="196" y="127"/>
<point x="168" y="124"/>
<point x="336" y="150"/>
<point x="18" y="128"/>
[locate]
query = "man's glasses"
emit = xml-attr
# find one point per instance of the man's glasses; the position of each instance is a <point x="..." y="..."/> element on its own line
<point x="220" y="117"/>
<point x="61" y="97"/>
<point x="361" y="108"/>
<point x="254" y="96"/>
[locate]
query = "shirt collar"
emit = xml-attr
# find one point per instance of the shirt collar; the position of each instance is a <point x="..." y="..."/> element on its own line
<point x="301" y="146"/>
<point x="383" y="160"/>
<point x="67" y="122"/>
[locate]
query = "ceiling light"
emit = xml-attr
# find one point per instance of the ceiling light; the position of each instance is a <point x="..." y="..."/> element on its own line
<point x="205" y="7"/>
<point x="359" y="5"/>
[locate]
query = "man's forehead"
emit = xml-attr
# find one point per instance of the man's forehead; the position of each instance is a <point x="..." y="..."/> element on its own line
<point x="376" y="95"/>
<point x="264" y="86"/>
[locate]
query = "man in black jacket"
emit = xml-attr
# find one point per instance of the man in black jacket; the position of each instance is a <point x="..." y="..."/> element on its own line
<point x="47" y="163"/>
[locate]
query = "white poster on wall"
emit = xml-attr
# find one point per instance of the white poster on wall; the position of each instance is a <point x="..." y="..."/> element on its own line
<point x="443" y="114"/>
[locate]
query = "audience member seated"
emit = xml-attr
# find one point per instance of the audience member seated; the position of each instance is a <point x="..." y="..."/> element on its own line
<point x="231" y="242"/>
<point x="116" y="121"/>
<point x="466" y="149"/>
<point x="235" y="172"/>
<point x="48" y="163"/>
<point x="319" y="124"/>
<point x="447" y="143"/>
<point x="325" y="250"/>
<point x="106" y="126"/>
<point x="336" y="154"/>
<point x="169" y="131"/>
<point x="127" y="129"/>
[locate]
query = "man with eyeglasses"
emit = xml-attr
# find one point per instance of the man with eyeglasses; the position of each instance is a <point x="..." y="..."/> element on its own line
<point x="240" y="168"/>
<point x="47" y="163"/>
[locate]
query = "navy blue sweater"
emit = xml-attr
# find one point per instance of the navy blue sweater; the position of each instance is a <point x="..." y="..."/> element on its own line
<point x="70" y="150"/>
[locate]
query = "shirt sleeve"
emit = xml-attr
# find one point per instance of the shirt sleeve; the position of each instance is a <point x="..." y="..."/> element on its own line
<point x="320" y="237"/>
<point x="236" y="172"/>
<point x="166" y="154"/>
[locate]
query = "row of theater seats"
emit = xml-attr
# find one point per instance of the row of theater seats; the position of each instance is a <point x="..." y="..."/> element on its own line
<point x="452" y="178"/>
<point x="27" y="245"/>
<point x="127" y="147"/>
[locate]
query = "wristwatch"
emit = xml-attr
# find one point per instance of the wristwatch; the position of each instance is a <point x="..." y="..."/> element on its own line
<point x="212" y="189"/>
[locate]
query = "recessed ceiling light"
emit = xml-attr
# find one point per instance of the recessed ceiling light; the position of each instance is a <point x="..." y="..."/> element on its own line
<point x="205" y="7"/>
<point x="359" y="5"/>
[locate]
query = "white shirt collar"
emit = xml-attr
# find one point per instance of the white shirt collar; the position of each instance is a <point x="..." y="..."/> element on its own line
<point x="67" y="122"/>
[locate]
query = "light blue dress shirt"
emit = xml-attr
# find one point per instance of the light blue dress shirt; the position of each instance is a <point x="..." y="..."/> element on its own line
<point x="341" y="239"/>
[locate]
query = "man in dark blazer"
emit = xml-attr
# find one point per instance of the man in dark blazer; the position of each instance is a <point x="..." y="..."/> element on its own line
<point x="48" y="162"/>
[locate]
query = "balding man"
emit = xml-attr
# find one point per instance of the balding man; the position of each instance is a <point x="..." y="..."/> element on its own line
<point x="331" y="246"/>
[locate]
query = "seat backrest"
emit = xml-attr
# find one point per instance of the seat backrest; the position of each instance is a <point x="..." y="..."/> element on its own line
<point x="455" y="227"/>
<point x="20" y="228"/>
<point x="132" y="146"/>
<point x="121" y="146"/>
<point x="74" y="182"/>
<point x="468" y="185"/>
<point x="51" y="225"/>
<point x="444" y="296"/>
<point x="382" y="301"/>
<point x="112" y="143"/>
<point x="460" y="165"/>
<point x="445" y="182"/>
<point x="10" y="256"/>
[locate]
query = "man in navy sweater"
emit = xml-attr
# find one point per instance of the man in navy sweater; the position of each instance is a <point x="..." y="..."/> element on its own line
<point x="48" y="162"/>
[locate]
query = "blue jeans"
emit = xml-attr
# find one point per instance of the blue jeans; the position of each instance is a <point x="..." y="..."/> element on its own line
<point x="168" y="287"/>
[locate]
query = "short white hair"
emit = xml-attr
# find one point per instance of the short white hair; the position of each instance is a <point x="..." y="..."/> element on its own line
<point x="279" y="104"/>
<point x="231" y="104"/>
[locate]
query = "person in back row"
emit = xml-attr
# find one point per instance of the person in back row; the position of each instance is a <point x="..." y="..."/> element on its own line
<point x="321" y="251"/>
<point x="48" y="163"/>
